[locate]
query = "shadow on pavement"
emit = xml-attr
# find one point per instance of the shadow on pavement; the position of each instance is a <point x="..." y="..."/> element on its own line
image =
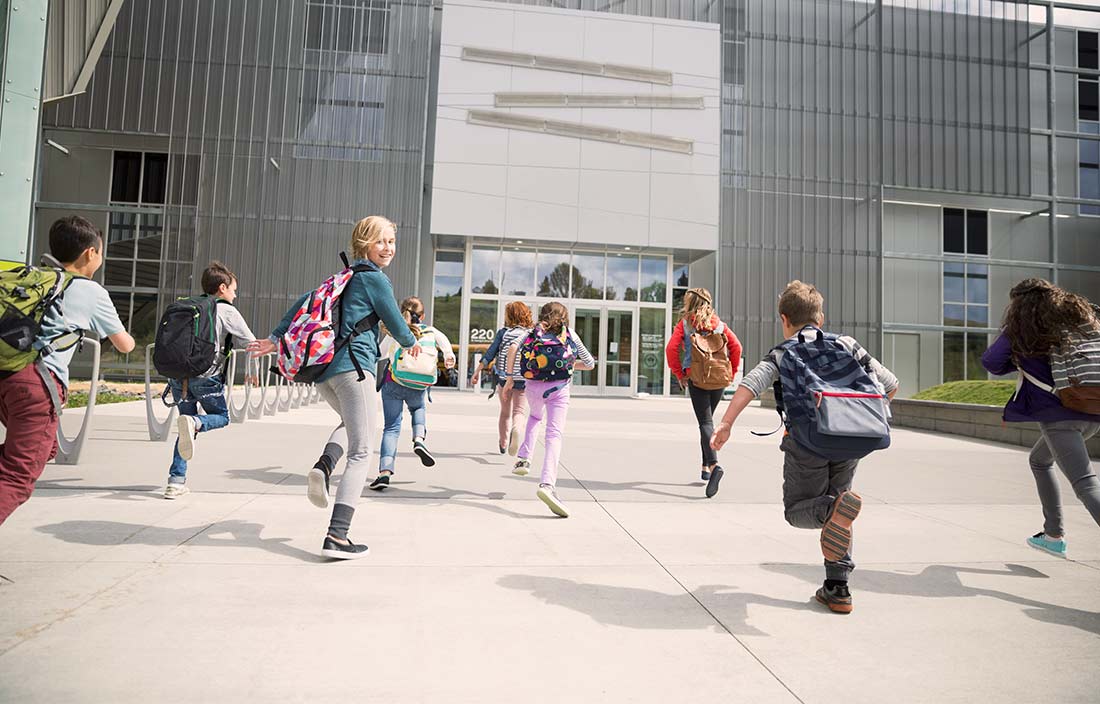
<point x="631" y="607"/>
<point x="136" y="492"/>
<point x="241" y="534"/>
<point x="591" y="485"/>
<point x="943" y="581"/>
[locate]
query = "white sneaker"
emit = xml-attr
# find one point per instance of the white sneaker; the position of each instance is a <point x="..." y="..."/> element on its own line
<point x="174" y="491"/>
<point x="522" y="467"/>
<point x="513" y="442"/>
<point x="546" y="493"/>
<point x="186" y="426"/>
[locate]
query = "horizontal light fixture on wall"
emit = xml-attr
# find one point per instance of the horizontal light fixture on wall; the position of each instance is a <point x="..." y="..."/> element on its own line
<point x="560" y="128"/>
<point x="597" y="100"/>
<point x="554" y="63"/>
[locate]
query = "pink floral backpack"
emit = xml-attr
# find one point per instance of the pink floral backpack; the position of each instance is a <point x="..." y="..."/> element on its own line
<point x="313" y="338"/>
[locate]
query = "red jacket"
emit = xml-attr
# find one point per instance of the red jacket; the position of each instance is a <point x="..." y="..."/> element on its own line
<point x="675" y="350"/>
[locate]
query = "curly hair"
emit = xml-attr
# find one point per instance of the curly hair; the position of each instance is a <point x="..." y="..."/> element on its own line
<point x="518" y="315"/>
<point x="554" y="317"/>
<point x="1039" y="315"/>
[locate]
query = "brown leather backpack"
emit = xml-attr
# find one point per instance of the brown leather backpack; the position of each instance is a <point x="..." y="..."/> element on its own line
<point x="710" y="358"/>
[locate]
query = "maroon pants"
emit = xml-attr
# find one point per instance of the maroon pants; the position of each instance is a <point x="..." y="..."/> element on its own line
<point x="31" y="421"/>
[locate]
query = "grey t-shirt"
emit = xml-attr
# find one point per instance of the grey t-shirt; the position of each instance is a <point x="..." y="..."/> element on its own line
<point x="229" y="321"/>
<point x="86" y="306"/>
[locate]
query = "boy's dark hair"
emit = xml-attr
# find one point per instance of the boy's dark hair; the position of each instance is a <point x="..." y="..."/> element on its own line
<point x="214" y="276"/>
<point x="71" y="236"/>
<point x="802" y="304"/>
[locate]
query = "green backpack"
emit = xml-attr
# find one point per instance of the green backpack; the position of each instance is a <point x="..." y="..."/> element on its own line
<point x="26" y="295"/>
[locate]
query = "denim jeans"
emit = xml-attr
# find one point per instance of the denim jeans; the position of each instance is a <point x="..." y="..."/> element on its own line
<point x="394" y="399"/>
<point x="208" y="393"/>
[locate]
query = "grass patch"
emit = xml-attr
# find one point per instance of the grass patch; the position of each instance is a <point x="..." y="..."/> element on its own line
<point x="79" y="399"/>
<point x="985" y="393"/>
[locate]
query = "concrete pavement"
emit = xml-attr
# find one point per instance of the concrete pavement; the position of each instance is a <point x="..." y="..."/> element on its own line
<point x="473" y="592"/>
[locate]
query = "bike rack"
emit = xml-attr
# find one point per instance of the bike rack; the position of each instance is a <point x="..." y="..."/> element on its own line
<point x="270" y="409"/>
<point x="68" y="451"/>
<point x="256" y="410"/>
<point x="238" y="415"/>
<point x="296" y="395"/>
<point x="158" y="430"/>
<point x="284" y="403"/>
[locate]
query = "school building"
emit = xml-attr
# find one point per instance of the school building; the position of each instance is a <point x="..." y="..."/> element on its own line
<point x="912" y="159"/>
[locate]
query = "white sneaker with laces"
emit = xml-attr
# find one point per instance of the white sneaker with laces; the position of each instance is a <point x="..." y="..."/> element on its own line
<point x="174" y="491"/>
<point x="522" y="467"/>
<point x="546" y="493"/>
<point x="187" y="430"/>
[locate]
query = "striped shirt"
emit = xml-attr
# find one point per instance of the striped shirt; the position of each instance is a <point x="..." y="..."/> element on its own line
<point x="583" y="355"/>
<point x="512" y="336"/>
<point x="765" y="374"/>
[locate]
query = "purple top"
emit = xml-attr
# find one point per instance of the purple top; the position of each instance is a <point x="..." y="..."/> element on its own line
<point x="1031" y="404"/>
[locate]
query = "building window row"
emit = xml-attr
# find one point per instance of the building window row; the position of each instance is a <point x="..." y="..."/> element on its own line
<point x="1088" y="120"/>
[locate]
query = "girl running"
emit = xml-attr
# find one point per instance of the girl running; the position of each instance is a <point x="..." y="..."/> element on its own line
<point x="373" y="241"/>
<point x="546" y="360"/>
<point x="698" y="317"/>
<point x="1038" y="317"/>
<point x="513" y="408"/>
<point x="396" y="397"/>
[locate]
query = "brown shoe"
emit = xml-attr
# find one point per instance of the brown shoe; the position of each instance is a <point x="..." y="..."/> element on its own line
<point x="836" y="534"/>
<point x="838" y="599"/>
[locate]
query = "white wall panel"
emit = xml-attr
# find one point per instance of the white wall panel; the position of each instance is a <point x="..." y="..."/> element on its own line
<point x="569" y="189"/>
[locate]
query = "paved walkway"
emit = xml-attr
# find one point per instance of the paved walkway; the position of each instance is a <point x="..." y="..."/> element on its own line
<point x="474" y="593"/>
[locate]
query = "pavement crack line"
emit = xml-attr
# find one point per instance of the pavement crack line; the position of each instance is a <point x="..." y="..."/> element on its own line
<point x="687" y="591"/>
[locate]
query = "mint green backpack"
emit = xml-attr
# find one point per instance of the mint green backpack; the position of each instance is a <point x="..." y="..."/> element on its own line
<point x="26" y="295"/>
<point x="417" y="372"/>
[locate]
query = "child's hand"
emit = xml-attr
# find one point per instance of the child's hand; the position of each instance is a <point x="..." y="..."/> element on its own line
<point x="254" y="380"/>
<point x="258" y="348"/>
<point x="720" y="437"/>
<point x="413" y="351"/>
<point x="476" y="377"/>
<point x="506" y="392"/>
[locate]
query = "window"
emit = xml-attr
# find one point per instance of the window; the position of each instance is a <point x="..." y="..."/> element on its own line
<point x="553" y="274"/>
<point x="965" y="231"/>
<point x="485" y="271"/>
<point x="622" y="277"/>
<point x="1086" y="50"/>
<point x="965" y="295"/>
<point x="517" y="275"/>
<point x="347" y="26"/>
<point x="962" y="356"/>
<point x="447" y="293"/>
<point x="651" y="372"/>
<point x="588" y="276"/>
<point x="654" y="279"/>
<point x="1087" y="100"/>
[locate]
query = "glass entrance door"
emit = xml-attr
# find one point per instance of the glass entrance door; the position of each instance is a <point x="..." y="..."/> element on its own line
<point x="617" y="358"/>
<point x="586" y="323"/>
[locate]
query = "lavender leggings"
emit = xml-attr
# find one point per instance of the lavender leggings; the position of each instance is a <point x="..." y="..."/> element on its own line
<point x="554" y="409"/>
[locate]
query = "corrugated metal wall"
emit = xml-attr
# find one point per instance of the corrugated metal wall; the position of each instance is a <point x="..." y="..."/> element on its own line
<point x="285" y="120"/>
<point x="72" y="28"/>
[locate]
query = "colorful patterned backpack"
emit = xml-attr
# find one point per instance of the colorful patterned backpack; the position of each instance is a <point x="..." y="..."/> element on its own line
<point x="313" y="338"/>
<point x="544" y="357"/>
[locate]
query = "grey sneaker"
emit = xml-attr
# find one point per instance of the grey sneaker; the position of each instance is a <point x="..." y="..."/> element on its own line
<point x="513" y="442"/>
<point x="188" y="431"/>
<point x="174" y="491"/>
<point x="522" y="467"/>
<point x="546" y="493"/>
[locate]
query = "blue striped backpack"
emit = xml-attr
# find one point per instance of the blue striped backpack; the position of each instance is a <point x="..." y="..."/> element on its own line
<point x="828" y="401"/>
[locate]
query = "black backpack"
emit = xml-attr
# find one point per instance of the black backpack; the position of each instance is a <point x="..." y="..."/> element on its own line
<point x="185" y="346"/>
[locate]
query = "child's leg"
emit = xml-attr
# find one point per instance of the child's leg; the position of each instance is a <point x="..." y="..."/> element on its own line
<point x="557" y="408"/>
<point x="27" y="411"/>
<point x="1066" y="441"/>
<point x="418" y="414"/>
<point x="177" y="471"/>
<point x="210" y="394"/>
<point x="1050" y="495"/>
<point x="392" y="410"/>
<point x="504" y="421"/>
<point x="344" y="391"/>
<point x="537" y="404"/>
<point x="703" y="403"/>
<point x="518" y="410"/>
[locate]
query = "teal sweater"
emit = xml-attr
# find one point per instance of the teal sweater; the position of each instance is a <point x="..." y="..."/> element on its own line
<point x="367" y="292"/>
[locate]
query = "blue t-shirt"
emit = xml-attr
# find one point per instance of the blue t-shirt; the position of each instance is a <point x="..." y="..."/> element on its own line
<point x="85" y="306"/>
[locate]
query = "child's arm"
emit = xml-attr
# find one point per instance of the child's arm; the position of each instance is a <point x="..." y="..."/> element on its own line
<point x="875" y="368"/>
<point x="444" y="344"/>
<point x="734" y="347"/>
<point x="259" y="348"/>
<point x="106" y="323"/>
<point x="997" y="360"/>
<point x="740" y="400"/>
<point x="672" y="351"/>
<point x="584" y="360"/>
<point x="235" y="325"/>
<point x="513" y="367"/>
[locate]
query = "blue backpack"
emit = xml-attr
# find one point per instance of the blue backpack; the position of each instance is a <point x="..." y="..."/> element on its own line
<point x="828" y="401"/>
<point x="545" y="357"/>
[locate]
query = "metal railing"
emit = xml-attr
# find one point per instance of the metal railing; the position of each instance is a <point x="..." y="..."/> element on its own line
<point x="159" y="431"/>
<point x="68" y="451"/>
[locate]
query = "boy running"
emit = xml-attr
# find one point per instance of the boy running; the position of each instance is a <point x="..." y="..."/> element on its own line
<point x="816" y="491"/>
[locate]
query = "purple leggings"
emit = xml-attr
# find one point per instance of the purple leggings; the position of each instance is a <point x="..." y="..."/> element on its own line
<point x="554" y="408"/>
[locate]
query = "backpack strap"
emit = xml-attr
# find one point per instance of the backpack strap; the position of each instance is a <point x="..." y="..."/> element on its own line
<point x="51" y="386"/>
<point x="777" y="389"/>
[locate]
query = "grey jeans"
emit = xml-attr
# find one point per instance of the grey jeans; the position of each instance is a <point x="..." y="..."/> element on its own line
<point x="1064" y="442"/>
<point x="356" y="403"/>
<point x="811" y="484"/>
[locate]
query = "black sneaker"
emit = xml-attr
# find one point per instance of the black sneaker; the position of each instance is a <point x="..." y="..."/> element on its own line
<point x="837" y="598"/>
<point x="503" y="449"/>
<point x="704" y="475"/>
<point x="715" y="477"/>
<point x="340" y="551"/>
<point x="380" y="482"/>
<point x="422" y="452"/>
<point x="317" y="484"/>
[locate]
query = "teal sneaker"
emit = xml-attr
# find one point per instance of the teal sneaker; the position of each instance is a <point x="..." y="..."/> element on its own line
<point x="1040" y="541"/>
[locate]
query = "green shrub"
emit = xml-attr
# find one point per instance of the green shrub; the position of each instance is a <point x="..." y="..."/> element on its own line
<point x="79" y="399"/>
<point x="985" y="393"/>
